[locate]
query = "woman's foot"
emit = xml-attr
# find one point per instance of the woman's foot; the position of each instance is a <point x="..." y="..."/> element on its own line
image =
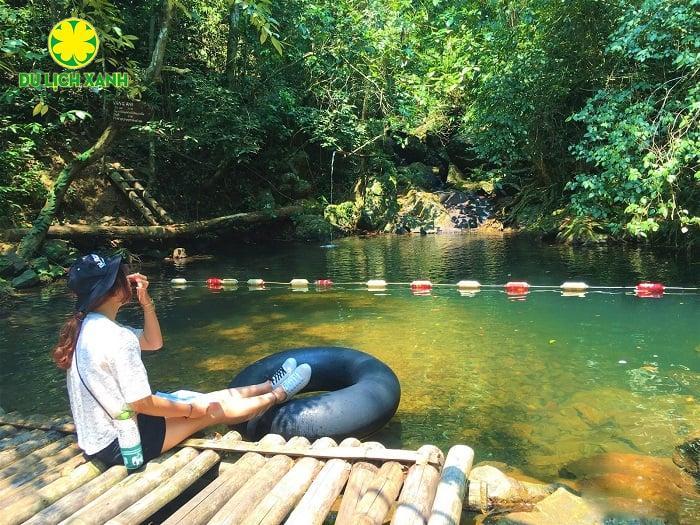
<point x="283" y="372"/>
<point x="293" y="383"/>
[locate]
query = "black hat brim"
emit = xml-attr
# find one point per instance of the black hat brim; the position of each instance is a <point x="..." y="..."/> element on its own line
<point x="103" y="286"/>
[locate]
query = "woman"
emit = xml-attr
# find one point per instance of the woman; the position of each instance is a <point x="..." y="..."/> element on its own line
<point x="105" y="373"/>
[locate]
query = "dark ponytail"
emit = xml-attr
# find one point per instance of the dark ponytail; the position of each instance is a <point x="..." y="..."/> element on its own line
<point x="62" y="353"/>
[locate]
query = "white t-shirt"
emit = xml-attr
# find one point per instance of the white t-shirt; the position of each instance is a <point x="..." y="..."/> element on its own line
<point x="109" y="358"/>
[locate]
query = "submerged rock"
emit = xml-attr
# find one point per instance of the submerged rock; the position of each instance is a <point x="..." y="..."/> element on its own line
<point x="643" y="487"/>
<point x="687" y="455"/>
<point x="11" y="265"/>
<point x="559" y="508"/>
<point x="503" y="491"/>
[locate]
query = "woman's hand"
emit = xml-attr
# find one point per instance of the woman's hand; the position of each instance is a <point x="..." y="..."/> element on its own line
<point x="210" y="409"/>
<point x="141" y="282"/>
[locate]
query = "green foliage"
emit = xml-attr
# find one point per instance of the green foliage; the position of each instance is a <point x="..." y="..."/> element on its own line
<point x="642" y="136"/>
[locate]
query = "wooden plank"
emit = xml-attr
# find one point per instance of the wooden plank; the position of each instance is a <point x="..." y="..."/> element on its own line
<point x="25" y="483"/>
<point x="361" y="476"/>
<point x="25" y="507"/>
<point x="380" y="495"/>
<point x="130" y="490"/>
<point x="315" y="504"/>
<point x="168" y="490"/>
<point x="418" y="493"/>
<point x="449" y="497"/>
<point x="206" y="504"/>
<point x="60" y="424"/>
<point x="9" y="456"/>
<point x="73" y="502"/>
<point x="346" y="453"/>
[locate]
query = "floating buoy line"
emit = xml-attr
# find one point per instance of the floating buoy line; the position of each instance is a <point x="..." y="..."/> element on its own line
<point x="645" y="289"/>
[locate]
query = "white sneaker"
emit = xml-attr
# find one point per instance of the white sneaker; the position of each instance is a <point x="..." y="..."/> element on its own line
<point x="287" y="368"/>
<point x="296" y="381"/>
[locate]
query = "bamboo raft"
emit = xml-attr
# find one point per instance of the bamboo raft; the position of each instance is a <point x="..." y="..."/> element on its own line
<point x="45" y="479"/>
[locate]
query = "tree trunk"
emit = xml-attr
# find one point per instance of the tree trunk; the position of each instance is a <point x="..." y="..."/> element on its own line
<point x="234" y="17"/>
<point x="238" y="220"/>
<point x="35" y="236"/>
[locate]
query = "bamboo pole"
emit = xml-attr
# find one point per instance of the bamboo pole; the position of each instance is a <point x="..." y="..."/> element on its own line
<point x="380" y="495"/>
<point x="6" y="430"/>
<point x="361" y="476"/>
<point x="130" y="194"/>
<point x="145" y="195"/>
<point x="253" y="491"/>
<point x="348" y="453"/>
<point x="24" y="508"/>
<point x="168" y="490"/>
<point x="67" y="460"/>
<point x="418" y="492"/>
<point x="9" y="456"/>
<point x="276" y="505"/>
<point x="73" y="502"/>
<point x="39" y="461"/>
<point x="60" y="424"/>
<point x="130" y="490"/>
<point x="206" y="504"/>
<point x="449" y="497"/>
<point x="19" y="437"/>
<point x="315" y="504"/>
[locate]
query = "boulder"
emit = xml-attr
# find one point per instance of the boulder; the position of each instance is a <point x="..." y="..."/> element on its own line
<point x="57" y="251"/>
<point x="561" y="507"/>
<point x="418" y="175"/>
<point x="505" y="491"/>
<point x="26" y="279"/>
<point x="11" y="265"/>
<point x="687" y="455"/>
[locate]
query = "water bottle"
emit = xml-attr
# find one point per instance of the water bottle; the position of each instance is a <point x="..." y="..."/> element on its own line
<point x="129" y="439"/>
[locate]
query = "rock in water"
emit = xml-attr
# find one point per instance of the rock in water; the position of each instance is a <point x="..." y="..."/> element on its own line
<point x="11" y="265"/>
<point x="559" y="508"/>
<point x="687" y="455"/>
<point x="26" y="279"/>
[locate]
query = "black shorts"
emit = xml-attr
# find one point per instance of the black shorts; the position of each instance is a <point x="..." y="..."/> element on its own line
<point x="152" y="430"/>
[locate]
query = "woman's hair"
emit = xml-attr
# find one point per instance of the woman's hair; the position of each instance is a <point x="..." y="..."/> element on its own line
<point x="62" y="353"/>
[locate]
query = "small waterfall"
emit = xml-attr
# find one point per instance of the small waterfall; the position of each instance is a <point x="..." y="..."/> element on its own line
<point x="330" y="244"/>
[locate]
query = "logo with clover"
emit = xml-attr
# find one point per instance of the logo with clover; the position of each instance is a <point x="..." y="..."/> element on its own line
<point x="73" y="43"/>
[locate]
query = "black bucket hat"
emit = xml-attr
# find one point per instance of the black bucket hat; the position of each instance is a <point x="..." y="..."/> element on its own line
<point x="90" y="277"/>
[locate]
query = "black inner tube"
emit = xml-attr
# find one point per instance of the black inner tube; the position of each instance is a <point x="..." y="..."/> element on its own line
<point x="360" y="395"/>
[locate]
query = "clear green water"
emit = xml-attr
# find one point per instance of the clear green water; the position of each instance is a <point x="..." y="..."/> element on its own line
<point x="536" y="383"/>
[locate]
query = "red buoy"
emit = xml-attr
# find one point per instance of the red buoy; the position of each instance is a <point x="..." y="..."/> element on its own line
<point x="324" y="282"/>
<point x="649" y="289"/>
<point x="517" y="288"/>
<point x="214" y="282"/>
<point x="421" y="285"/>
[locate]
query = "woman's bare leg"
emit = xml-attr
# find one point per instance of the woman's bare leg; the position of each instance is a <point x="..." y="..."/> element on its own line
<point x="241" y="392"/>
<point x="232" y="411"/>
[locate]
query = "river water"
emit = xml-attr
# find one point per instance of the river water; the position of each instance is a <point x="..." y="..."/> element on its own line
<point x="540" y="383"/>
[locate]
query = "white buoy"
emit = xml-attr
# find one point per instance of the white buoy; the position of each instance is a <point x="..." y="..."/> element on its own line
<point x="574" y="286"/>
<point x="178" y="280"/>
<point x="376" y="284"/>
<point x="469" y="285"/>
<point x="299" y="283"/>
<point x="229" y="281"/>
<point x="256" y="282"/>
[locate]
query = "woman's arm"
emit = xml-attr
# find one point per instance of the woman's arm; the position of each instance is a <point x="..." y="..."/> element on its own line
<point x="151" y="338"/>
<point x="159" y="406"/>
